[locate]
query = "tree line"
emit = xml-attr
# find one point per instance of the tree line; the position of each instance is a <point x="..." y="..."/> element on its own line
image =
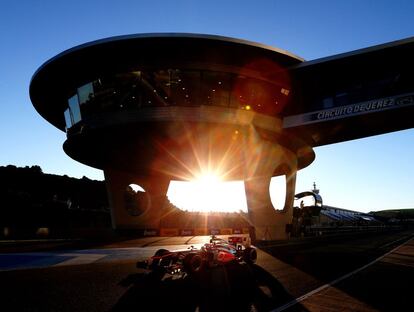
<point x="31" y="199"/>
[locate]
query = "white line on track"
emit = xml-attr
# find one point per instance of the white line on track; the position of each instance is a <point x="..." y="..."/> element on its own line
<point x="397" y="240"/>
<point x="319" y="289"/>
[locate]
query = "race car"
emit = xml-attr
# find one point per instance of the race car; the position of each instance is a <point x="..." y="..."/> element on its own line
<point x="193" y="260"/>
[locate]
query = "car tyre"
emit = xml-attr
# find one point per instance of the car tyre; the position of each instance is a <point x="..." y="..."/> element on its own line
<point x="193" y="263"/>
<point x="157" y="270"/>
<point x="250" y="255"/>
<point x="161" y="252"/>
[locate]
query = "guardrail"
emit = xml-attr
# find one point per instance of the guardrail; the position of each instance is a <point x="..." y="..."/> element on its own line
<point x="195" y="231"/>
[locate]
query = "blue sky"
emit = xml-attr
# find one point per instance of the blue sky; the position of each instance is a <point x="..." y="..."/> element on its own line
<point x="368" y="174"/>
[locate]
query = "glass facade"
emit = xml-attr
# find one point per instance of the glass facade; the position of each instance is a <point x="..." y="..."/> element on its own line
<point x="174" y="87"/>
<point x="74" y="110"/>
<point x="85" y="93"/>
<point x="68" y="118"/>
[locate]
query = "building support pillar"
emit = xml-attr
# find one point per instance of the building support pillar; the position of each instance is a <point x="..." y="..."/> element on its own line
<point x="264" y="158"/>
<point x="269" y="224"/>
<point x="149" y="214"/>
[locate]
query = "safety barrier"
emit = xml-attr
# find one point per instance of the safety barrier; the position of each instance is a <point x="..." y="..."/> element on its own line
<point x="169" y="232"/>
<point x="195" y="231"/>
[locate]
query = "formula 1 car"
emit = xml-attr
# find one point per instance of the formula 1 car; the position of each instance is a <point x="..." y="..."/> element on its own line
<point x="193" y="260"/>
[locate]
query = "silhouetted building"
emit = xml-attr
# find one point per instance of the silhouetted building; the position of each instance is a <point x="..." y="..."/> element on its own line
<point x="150" y="108"/>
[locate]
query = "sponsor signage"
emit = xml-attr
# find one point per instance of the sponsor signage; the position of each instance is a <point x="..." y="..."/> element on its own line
<point x="339" y="112"/>
<point x="150" y="232"/>
<point x="187" y="232"/>
<point x="169" y="232"/>
<point x="200" y="231"/>
<point x="214" y="231"/>
<point x="194" y="232"/>
<point x="226" y="231"/>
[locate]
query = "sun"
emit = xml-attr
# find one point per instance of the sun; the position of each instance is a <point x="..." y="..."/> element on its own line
<point x="208" y="193"/>
<point x="208" y="180"/>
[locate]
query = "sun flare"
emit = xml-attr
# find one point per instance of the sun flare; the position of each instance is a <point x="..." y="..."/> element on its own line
<point x="208" y="179"/>
<point x="208" y="193"/>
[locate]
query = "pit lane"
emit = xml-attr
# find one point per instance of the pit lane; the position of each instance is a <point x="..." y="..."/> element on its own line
<point x="72" y="253"/>
<point x="284" y="272"/>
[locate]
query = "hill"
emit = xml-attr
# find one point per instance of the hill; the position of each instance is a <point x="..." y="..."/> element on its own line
<point x="398" y="214"/>
<point x="31" y="199"/>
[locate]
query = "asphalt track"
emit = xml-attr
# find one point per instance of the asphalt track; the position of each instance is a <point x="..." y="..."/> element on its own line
<point x="63" y="253"/>
<point x="297" y="276"/>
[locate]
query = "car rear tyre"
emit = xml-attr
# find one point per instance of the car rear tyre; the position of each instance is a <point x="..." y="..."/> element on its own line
<point x="193" y="263"/>
<point x="161" y="252"/>
<point x="250" y="255"/>
<point x="156" y="266"/>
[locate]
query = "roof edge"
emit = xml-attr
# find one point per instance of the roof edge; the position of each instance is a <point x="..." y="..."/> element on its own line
<point x="166" y="35"/>
<point x="374" y="48"/>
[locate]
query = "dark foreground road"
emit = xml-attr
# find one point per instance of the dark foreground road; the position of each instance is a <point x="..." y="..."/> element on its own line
<point x="284" y="272"/>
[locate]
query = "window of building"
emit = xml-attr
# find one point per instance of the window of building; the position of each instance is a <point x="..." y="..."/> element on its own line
<point x="85" y="93"/>
<point x="174" y="87"/>
<point x="68" y="119"/>
<point x="74" y="109"/>
<point x="216" y="89"/>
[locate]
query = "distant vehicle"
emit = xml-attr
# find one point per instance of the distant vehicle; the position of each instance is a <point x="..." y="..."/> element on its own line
<point x="238" y="241"/>
<point x="193" y="260"/>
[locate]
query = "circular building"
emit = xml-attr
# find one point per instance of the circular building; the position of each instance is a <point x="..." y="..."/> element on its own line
<point x="151" y="108"/>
